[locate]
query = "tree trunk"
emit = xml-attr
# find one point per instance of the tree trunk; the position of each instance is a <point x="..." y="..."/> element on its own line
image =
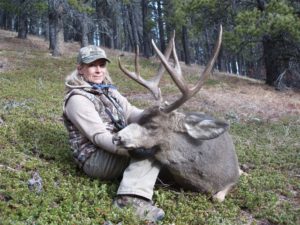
<point x="221" y="62"/>
<point x="134" y="25"/>
<point x="207" y="45"/>
<point x="84" y="30"/>
<point x="2" y="19"/>
<point x="275" y="52"/>
<point x="22" y="26"/>
<point x="186" y="44"/>
<point x="127" y="34"/>
<point x="274" y="64"/>
<point x="22" y="22"/>
<point x="161" y="26"/>
<point x="51" y="19"/>
<point x="59" y="31"/>
<point x="146" y="29"/>
<point x="168" y="13"/>
<point x="45" y="28"/>
<point x="115" y="43"/>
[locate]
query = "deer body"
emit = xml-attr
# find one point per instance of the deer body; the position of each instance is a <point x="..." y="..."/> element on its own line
<point x="196" y="148"/>
<point x="199" y="158"/>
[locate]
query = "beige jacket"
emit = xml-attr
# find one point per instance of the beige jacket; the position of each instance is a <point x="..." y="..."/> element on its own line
<point x="89" y="126"/>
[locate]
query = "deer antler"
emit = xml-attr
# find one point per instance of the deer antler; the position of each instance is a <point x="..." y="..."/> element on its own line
<point x="176" y="74"/>
<point x="152" y="84"/>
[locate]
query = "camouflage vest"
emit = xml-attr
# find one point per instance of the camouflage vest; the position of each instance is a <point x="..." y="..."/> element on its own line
<point x="110" y="111"/>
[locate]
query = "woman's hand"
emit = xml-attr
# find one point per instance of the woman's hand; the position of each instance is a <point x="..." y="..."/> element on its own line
<point x="143" y="153"/>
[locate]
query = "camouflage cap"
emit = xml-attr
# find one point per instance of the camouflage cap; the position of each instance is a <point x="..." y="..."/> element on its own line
<point x="90" y="54"/>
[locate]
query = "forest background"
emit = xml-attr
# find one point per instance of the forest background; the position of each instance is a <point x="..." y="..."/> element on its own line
<point x="261" y="38"/>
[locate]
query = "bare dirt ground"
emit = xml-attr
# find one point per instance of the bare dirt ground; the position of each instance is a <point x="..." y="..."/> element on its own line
<point x="250" y="100"/>
<point x="236" y="97"/>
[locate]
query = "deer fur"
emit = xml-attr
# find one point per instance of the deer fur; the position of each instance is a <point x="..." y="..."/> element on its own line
<point x="196" y="149"/>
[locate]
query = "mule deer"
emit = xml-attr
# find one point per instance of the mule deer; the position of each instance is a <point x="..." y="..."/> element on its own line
<point x="196" y="148"/>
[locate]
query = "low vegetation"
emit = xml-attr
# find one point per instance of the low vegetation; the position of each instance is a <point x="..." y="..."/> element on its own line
<point x="33" y="143"/>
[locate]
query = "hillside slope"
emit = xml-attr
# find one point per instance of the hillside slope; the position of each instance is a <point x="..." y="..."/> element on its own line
<point x="265" y="128"/>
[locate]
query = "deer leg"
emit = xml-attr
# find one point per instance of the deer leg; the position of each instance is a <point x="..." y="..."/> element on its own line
<point x="220" y="196"/>
<point x="241" y="172"/>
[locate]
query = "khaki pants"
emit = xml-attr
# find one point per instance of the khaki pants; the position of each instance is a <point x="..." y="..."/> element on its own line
<point x="139" y="176"/>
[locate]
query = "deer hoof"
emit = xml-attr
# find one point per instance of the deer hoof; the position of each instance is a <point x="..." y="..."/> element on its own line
<point x="219" y="197"/>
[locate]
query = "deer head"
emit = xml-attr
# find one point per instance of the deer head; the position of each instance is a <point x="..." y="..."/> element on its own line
<point x="160" y="123"/>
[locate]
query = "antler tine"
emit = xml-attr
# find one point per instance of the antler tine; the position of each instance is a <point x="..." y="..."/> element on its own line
<point x="175" y="72"/>
<point x="177" y="77"/>
<point x="210" y="63"/>
<point x="152" y="84"/>
<point x="167" y="54"/>
<point x="136" y="77"/>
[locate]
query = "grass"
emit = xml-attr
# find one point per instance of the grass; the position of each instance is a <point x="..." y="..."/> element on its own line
<point x="33" y="139"/>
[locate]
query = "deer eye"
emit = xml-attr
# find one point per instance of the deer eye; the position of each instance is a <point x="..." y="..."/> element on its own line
<point x="152" y="126"/>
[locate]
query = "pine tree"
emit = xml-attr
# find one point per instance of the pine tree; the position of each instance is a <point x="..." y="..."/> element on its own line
<point x="274" y="28"/>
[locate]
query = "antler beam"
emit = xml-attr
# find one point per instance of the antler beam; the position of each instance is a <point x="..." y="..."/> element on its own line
<point x="176" y="74"/>
<point x="152" y="84"/>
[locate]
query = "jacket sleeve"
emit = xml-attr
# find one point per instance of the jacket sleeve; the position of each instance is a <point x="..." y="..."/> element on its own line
<point x="82" y="113"/>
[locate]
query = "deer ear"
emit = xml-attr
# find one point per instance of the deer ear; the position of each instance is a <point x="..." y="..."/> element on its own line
<point x="200" y="126"/>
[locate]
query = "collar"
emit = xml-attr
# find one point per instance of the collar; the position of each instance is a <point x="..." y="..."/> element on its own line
<point x="102" y="86"/>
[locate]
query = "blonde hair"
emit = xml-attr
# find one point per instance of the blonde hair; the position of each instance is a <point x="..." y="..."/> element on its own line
<point x="76" y="80"/>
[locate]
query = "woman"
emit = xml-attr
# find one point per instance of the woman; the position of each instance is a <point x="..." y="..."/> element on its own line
<point x="94" y="111"/>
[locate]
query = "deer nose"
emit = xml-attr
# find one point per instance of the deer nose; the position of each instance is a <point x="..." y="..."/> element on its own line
<point x="116" y="140"/>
